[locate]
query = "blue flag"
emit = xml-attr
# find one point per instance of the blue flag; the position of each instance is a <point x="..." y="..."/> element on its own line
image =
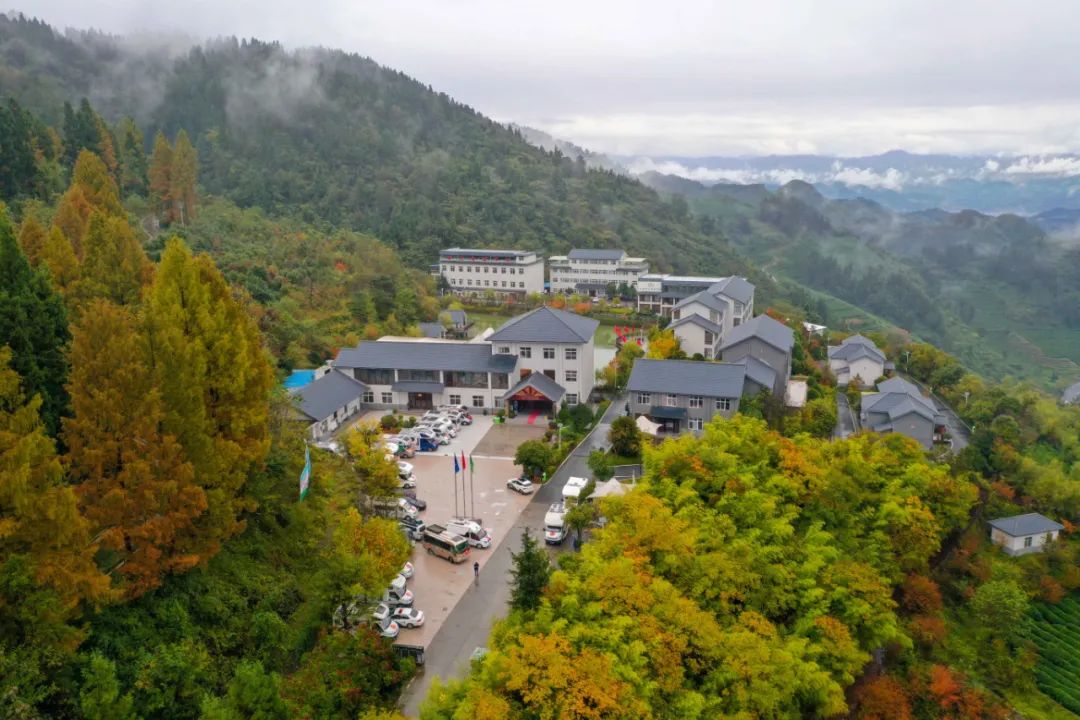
<point x="456" y="468"/>
<point x="305" y="474"/>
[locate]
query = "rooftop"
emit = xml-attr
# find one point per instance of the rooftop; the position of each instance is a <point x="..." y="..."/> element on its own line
<point x="546" y="324"/>
<point x="1027" y="524"/>
<point x="766" y="329"/>
<point x="702" y="322"/>
<point x="335" y="389"/>
<point x="706" y="298"/>
<point x="585" y="254"/>
<point x="540" y="382"/>
<point x="486" y="251"/>
<point x="1071" y="394"/>
<point x="736" y="288"/>
<point x="425" y="355"/>
<point x="687" y="377"/>
<point x="760" y="372"/>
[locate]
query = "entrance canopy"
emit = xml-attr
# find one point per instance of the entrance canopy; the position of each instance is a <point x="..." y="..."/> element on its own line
<point x="537" y="386"/>
<point x="667" y="413"/>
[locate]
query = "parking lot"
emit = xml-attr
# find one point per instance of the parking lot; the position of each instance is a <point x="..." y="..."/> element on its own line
<point x="437" y="584"/>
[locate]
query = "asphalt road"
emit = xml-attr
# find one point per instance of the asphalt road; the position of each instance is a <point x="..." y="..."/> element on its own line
<point x="469" y="623"/>
<point x="845" y="418"/>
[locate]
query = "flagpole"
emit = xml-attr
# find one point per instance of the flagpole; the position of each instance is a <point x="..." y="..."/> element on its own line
<point x="472" y="487"/>
<point x="455" y="485"/>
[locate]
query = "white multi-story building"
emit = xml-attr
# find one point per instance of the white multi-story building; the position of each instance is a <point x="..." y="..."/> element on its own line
<point x="502" y="271"/>
<point x="539" y="360"/>
<point x="592" y="271"/>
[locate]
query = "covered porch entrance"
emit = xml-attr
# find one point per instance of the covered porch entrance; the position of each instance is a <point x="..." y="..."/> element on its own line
<point x="672" y="420"/>
<point x="421" y="395"/>
<point x="536" y="393"/>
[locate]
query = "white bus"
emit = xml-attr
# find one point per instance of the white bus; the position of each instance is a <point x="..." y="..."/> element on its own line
<point x="439" y="541"/>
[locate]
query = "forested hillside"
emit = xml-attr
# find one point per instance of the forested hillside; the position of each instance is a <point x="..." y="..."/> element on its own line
<point x="996" y="291"/>
<point x="333" y="139"/>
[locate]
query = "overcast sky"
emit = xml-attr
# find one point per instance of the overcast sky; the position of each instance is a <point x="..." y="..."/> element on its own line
<point x="692" y="77"/>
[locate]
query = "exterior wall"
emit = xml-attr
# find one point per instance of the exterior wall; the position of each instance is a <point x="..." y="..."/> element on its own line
<point x="400" y="400"/>
<point x="523" y="274"/>
<point x="329" y="425"/>
<point x="755" y="348"/>
<point x="917" y="427"/>
<point x="566" y="272"/>
<point x="582" y="365"/>
<point x="1016" y="545"/>
<point x="651" y="287"/>
<point x="705" y="413"/>
<point x="867" y="370"/>
<point x="692" y="340"/>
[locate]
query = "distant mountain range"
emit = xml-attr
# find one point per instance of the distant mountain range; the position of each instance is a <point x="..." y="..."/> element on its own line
<point x="902" y="181"/>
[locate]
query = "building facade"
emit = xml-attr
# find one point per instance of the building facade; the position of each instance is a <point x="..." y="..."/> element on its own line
<point x="328" y="402"/>
<point x="766" y="341"/>
<point x="683" y="395"/>
<point x="1024" y="534"/>
<point x="591" y="272"/>
<point x="857" y="357"/>
<point x="900" y="407"/>
<point x="476" y="271"/>
<point x="554" y="343"/>
<point x="663" y="294"/>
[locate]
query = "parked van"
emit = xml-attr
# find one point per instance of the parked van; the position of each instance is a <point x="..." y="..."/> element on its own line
<point x="554" y="524"/>
<point x="437" y="540"/>
<point x="477" y="535"/>
<point x="573" y="487"/>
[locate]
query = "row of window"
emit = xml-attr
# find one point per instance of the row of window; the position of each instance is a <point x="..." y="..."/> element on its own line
<point x="696" y="402"/>
<point x="525" y="351"/>
<point x="477" y="400"/>
<point x="477" y="269"/>
<point x="493" y="283"/>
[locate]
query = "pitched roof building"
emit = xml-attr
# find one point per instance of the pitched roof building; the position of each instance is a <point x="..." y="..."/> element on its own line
<point x="857" y="357"/>
<point x="899" y="406"/>
<point x="591" y="271"/>
<point x="329" y="401"/>
<point x="1023" y="534"/>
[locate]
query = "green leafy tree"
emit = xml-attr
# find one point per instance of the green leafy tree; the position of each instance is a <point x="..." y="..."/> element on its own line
<point x="625" y="437"/>
<point x="535" y="456"/>
<point x="33" y="323"/>
<point x="530" y="573"/>
<point x="600" y="465"/>
<point x="1000" y="607"/>
<point x="254" y="694"/>
<point x="100" y="697"/>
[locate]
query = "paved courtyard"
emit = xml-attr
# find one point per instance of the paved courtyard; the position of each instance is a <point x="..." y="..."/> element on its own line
<point x="438" y="585"/>
<point x="503" y="439"/>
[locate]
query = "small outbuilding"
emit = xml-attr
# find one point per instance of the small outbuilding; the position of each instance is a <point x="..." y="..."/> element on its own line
<point x="1023" y="534"/>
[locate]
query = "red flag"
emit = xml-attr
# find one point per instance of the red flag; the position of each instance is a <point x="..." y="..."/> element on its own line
<point x="463" y="463"/>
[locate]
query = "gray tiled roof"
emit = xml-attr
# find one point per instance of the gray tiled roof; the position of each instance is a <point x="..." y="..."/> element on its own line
<point x="459" y="317"/>
<point x="695" y="319"/>
<point x="321" y="398"/>
<point x="705" y="298"/>
<point x="1027" y="524"/>
<point x="485" y="251"/>
<point x="855" y="347"/>
<point x="586" y="254"/>
<point x="760" y="372"/>
<point x="546" y="324"/>
<point x="431" y="329"/>
<point x="736" y="288"/>
<point x="551" y="390"/>
<point x="896" y="404"/>
<point x="764" y="328"/>
<point x="474" y="357"/>
<point x="687" y="377"/>
<point x="1071" y="394"/>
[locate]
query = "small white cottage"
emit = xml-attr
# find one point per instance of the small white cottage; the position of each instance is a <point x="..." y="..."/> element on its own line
<point x="1023" y="534"/>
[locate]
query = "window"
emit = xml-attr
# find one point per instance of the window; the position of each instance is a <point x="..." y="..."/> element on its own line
<point x="571" y="376"/>
<point x="571" y="353"/>
<point x="695" y="423"/>
<point x="504" y="271"/>
<point x="671" y="401"/>
<point x="478" y="401"/>
<point x="504" y="283"/>
<point x="644" y="398"/>
<point x="525" y="351"/>
<point x="521" y="284"/>
<point x="388" y="398"/>
<point x="369" y="397"/>
<point x="549" y="353"/>
<point x="723" y="403"/>
<point x="485" y="269"/>
<point x="550" y="374"/>
<point x="503" y="350"/>
<point x="571" y="398"/>
<point x="697" y="402"/>
<point x="1027" y="541"/>
<point x="455" y="399"/>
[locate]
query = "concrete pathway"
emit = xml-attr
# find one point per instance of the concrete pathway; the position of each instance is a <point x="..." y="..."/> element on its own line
<point x="469" y="623"/>
<point x="846" y="424"/>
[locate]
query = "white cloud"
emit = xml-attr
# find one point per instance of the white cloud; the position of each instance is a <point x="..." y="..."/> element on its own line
<point x="1061" y="166"/>
<point x="891" y="179"/>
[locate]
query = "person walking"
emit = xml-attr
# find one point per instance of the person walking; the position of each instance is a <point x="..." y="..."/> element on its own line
<point x="476" y="571"/>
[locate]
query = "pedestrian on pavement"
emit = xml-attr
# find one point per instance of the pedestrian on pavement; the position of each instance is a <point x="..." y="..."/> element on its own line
<point x="476" y="571"/>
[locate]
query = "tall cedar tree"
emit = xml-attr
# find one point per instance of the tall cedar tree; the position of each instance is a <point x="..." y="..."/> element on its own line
<point x="115" y="266"/>
<point x="132" y="177"/>
<point x="43" y="531"/>
<point x="99" y="188"/>
<point x="33" y="324"/>
<point x="183" y="177"/>
<point x="159" y="176"/>
<point x="214" y="379"/>
<point x="19" y="171"/>
<point x="32" y="239"/>
<point x="71" y="217"/>
<point x="81" y="131"/>
<point x="135" y="487"/>
<point x="531" y="572"/>
<point x="58" y="258"/>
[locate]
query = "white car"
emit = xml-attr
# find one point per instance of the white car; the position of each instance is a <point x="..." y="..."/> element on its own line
<point x="387" y="628"/>
<point x="407" y="570"/>
<point x="521" y="485"/>
<point x="408" y="482"/>
<point x="404" y="469"/>
<point x="406" y="508"/>
<point x="381" y="612"/>
<point x="573" y="487"/>
<point x="408" y="617"/>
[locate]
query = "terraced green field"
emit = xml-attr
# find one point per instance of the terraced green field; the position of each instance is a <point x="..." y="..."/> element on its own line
<point x="1055" y="630"/>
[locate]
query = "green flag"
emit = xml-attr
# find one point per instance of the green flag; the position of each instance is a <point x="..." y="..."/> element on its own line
<point x="305" y="474"/>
